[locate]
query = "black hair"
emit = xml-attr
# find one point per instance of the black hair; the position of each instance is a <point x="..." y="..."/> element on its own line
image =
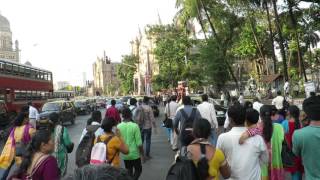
<point x="126" y="113"/>
<point x="29" y="103"/>
<point x="173" y="98"/>
<point x="89" y="121"/>
<point x="312" y="93"/>
<point x="54" y="118"/>
<point x="98" y="172"/>
<point x="18" y="121"/>
<point x="113" y="102"/>
<point x="40" y="137"/>
<point x="201" y="128"/>
<point x="146" y="99"/>
<point x="204" y="97"/>
<point x="295" y="114"/>
<point x="96" y="116"/>
<point x="311" y="107"/>
<point x="186" y="100"/>
<point x="265" y="114"/>
<point x="252" y="116"/>
<point x="234" y="101"/>
<point x="279" y="93"/>
<point x="133" y="101"/>
<point x="248" y="105"/>
<point x="237" y="114"/>
<point x="25" y="109"/>
<point x="107" y="124"/>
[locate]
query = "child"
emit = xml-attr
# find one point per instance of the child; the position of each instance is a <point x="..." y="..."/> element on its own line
<point x="252" y="118"/>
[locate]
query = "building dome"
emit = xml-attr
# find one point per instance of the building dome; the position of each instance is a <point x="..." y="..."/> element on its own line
<point x="4" y="24"/>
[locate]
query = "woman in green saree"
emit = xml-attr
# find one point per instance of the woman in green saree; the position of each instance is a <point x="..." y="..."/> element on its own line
<point x="63" y="144"/>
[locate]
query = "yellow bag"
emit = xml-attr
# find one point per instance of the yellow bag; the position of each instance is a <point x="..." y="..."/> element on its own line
<point x="8" y="152"/>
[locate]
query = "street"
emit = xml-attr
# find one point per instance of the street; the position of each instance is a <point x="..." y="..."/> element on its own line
<point x="155" y="169"/>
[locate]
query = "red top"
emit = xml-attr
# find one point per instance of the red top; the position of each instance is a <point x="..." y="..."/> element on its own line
<point x="298" y="162"/>
<point x="113" y="113"/>
<point x="48" y="170"/>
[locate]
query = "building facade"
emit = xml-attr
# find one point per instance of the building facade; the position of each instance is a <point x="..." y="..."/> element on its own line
<point x="6" y="50"/>
<point x="105" y="76"/>
<point x="62" y="84"/>
<point x="147" y="66"/>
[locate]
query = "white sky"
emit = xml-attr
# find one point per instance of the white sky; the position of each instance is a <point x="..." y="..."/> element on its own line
<point x="66" y="36"/>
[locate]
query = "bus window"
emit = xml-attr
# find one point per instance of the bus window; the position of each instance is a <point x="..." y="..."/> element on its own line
<point x="8" y="68"/>
<point x="1" y="67"/>
<point x="15" y="69"/>
<point x="21" y="70"/>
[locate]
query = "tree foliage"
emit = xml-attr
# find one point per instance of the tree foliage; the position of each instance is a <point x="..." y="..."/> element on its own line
<point x="125" y="72"/>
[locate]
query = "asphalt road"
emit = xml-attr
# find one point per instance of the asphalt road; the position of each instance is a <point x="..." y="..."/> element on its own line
<point x="161" y="153"/>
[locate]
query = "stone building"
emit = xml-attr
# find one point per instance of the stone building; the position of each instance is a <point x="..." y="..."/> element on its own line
<point x="147" y="67"/>
<point x="6" y="50"/>
<point x="105" y="76"/>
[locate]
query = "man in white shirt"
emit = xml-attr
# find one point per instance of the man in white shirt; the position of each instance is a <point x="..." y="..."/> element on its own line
<point x="278" y="101"/>
<point x="208" y="112"/>
<point x="33" y="115"/>
<point x="241" y="99"/>
<point x="245" y="159"/>
<point x="170" y="112"/>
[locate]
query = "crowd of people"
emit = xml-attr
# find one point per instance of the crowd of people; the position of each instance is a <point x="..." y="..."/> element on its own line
<point x="256" y="143"/>
<point x="276" y="141"/>
<point x="40" y="151"/>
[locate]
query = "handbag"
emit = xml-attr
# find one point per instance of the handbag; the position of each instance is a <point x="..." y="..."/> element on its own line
<point x="287" y="155"/>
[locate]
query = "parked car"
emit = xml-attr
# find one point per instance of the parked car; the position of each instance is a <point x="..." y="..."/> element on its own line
<point x="65" y="109"/>
<point x="82" y="107"/>
<point x="125" y="99"/>
<point x="220" y="111"/>
<point x="101" y="103"/>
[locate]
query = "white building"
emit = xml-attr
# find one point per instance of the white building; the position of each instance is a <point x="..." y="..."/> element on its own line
<point x="6" y="50"/>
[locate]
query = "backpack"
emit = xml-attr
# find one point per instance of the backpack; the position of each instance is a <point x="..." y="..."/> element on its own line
<point x="99" y="152"/>
<point x="182" y="169"/>
<point x="83" y="152"/>
<point x="186" y="135"/>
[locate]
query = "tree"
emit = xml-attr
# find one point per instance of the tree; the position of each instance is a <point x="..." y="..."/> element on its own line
<point x="125" y="72"/>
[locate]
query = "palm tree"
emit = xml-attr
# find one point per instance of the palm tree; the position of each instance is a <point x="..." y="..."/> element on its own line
<point x="281" y="41"/>
<point x="265" y="6"/>
<point x="291" y="4"/>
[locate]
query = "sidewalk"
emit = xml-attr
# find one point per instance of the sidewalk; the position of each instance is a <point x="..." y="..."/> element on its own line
<point x="161" y="153"/>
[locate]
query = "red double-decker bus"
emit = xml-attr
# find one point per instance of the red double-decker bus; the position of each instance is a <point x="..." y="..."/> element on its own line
<point x="22" y="83"/>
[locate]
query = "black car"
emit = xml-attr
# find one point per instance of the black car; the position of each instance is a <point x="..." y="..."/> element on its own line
<point x="65" y="109"/>
<point x="82" y="107"/>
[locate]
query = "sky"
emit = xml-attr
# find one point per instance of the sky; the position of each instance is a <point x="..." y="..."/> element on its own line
<point x="66" y="36"/>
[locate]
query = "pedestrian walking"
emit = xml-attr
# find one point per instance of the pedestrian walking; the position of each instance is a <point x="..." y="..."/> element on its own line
<point x="286" y="87"/>
<point x="273" y="135"/>
<point x="93" y="124"/>
<point x="112" y="112"/>
<point x="208" y="112"/>
<point x="130" y="132"/>
<point x="249" y="154"/>
<point x="33" y="115"/>
<point x="210" y="161"/>
<point x="257" y="104"/>
<point x="16" y="144"/>
<point x="170" y="113"/>
<point x="241" y="99"/>
<point x="38" y="163"/>
<point x="306" y="141"/>
<point x="290" y="126"/>
<point x="234" y="101"/>
<point x="183" y="123"/>
<point x="112" y="144"/>
<point x="62" y="143"/>
<point x="147" y="125"/>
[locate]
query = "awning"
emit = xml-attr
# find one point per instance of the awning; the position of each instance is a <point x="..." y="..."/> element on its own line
<point x="270" y="78"/>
